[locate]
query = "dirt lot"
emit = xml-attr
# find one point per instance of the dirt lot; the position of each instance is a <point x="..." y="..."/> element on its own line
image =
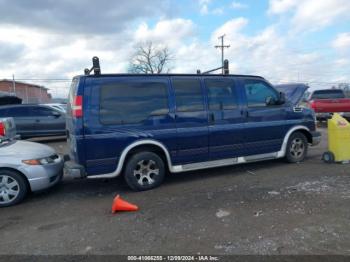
<point x="261" y="208"/>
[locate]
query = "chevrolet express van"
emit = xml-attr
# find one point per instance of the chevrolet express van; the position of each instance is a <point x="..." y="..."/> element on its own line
<point x="145" y="126"/>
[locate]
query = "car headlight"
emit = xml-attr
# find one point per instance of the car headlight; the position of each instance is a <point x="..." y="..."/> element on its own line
<point x="41" y="161"/>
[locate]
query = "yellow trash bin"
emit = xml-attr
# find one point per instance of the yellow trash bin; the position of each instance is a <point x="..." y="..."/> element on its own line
<point x="338" y="140"/>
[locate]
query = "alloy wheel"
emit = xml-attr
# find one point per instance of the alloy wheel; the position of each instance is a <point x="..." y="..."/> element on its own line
<point x="145" y="172"/>
<point x="297" y="148"/>
<point x="9" y="189"/>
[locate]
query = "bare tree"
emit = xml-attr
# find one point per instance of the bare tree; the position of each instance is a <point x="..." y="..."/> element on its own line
<point x="149" y="59"/>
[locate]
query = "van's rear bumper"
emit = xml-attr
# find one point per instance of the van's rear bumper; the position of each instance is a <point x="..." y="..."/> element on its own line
<point x="74" y="170"/>
<point x="316" y="137"/>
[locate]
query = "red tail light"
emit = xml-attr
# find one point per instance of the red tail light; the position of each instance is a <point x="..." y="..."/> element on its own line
<point x="2" y="129"/>
<point x="312" y="104"/>
<point x="77" y="107"/>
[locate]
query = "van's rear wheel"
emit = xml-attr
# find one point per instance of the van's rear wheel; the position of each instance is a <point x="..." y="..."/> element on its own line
<point x="296" y="148"/>
<point x="144" y="171"/>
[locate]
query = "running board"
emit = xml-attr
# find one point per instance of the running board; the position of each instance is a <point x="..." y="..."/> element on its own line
<point x="225" y="162"/>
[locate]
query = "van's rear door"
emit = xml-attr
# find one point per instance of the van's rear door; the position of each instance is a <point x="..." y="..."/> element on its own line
<point x="74" y="120"/>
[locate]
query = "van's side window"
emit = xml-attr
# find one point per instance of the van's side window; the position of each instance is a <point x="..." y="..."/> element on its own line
<point x="188" y="95"/>
<point x="221" y="94"/>
<point x="257" y="92"/>
<point x="132" y="102"/>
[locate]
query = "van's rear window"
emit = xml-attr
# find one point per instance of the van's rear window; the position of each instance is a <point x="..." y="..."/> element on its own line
<point x="132" y="102"/>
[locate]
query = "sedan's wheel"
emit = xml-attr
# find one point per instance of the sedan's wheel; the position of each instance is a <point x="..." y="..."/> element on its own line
<point x="144" y="171"/>
<point x="296" y="148"/>
<point x="13" y="188"/>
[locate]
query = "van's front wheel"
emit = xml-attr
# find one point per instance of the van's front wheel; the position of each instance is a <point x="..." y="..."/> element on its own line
<point x="144" y="171"/>
<point x="296" y="148"/>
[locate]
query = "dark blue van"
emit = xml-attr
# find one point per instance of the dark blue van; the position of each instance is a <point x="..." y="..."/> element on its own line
<point x="142" y="126"/>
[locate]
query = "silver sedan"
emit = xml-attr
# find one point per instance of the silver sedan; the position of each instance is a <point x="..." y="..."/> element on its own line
<point x="26" y="167"/>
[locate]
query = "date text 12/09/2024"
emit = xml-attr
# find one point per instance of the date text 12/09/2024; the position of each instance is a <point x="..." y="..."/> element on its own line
<point x="173" y="258"/>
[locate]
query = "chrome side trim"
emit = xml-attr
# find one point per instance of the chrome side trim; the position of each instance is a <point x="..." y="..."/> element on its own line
<point x="260" y="157"/>
<point x="209" y="164"/>
<point x="126" y="151"/>
<point x="202" y="165"/>
<point x="226" y="162"/>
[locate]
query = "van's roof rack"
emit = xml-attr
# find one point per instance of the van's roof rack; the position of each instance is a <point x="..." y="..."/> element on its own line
<point x="225" y="71"/>
<point x="224" y="68"/>
<point x="95" y="66"/>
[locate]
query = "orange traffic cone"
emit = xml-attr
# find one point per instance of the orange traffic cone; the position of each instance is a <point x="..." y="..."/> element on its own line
<point x="121" y="205"/>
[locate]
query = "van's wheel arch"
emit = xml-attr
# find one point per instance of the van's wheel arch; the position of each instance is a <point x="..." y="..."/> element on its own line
<point x="13" y="187"/>
<point x="144" y="170"/>
<point x="297" y="147"/>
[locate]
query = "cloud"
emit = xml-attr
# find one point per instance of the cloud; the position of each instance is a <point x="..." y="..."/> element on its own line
<point x="203" y="4"/>
<point x="281" y="6"/>
<point x="238" y="5"/>
<point x="342" y="41"/>
<point x="315" y="14"/>
<point x="311" y="15"/>
<point x="10" y="52"/>
<point x="231" y="27"/>
<point x="78" y="16"/>
<point x="204" y="8"/>
<point x="168" y="32"/>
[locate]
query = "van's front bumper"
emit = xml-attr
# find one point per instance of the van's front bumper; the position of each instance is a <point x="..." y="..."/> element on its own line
<point x="316" y="138"/>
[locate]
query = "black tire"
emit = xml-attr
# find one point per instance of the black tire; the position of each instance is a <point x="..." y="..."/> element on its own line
<point x="328" y="157"/>
<point x="10" y="182"/>
<point x="297" y="147"/>
<point x="144" y="171"/>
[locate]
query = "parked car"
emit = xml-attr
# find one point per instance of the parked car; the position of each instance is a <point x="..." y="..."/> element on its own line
<point x="35" y="120"/>
<point x="60" y="107"/>
<point x="24" y="166"/>
<point x="142" y="126"/>
<point x="328" y="101"/>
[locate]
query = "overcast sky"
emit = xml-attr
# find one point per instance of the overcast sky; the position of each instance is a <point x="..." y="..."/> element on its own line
<point x="282" y="40"/>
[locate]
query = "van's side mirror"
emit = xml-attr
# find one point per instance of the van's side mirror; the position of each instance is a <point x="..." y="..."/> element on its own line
<point x="281" y="99"/>
<point x="269" y="101"/>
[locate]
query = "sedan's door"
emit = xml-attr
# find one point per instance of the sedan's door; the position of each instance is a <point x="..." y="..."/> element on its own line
<point x="226" y="123"/>
<point x="24" y="123"/>
<point x="47" y="121"/>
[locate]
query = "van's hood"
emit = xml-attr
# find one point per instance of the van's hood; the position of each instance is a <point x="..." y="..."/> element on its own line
<point x="294" y="92"/>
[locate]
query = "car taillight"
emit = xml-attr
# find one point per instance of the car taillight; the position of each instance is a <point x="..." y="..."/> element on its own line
<point x="2" y="129"/>
<point x="77" y="107"/>
<point x="312" y="104"/>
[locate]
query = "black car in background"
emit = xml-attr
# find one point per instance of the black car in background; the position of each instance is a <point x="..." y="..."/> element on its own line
<point x="35" y="120"/>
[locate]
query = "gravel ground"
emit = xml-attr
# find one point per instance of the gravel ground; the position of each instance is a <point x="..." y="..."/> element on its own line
<point x="262" y="208"/>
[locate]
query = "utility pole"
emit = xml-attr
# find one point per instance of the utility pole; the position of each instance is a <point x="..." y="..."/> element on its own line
<point x="222" y="47"/>
<point x="14" y="84"/>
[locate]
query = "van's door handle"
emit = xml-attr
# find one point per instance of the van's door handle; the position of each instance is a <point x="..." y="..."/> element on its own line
<point x="245" y="113"/>
<point x="211" y="118"/>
